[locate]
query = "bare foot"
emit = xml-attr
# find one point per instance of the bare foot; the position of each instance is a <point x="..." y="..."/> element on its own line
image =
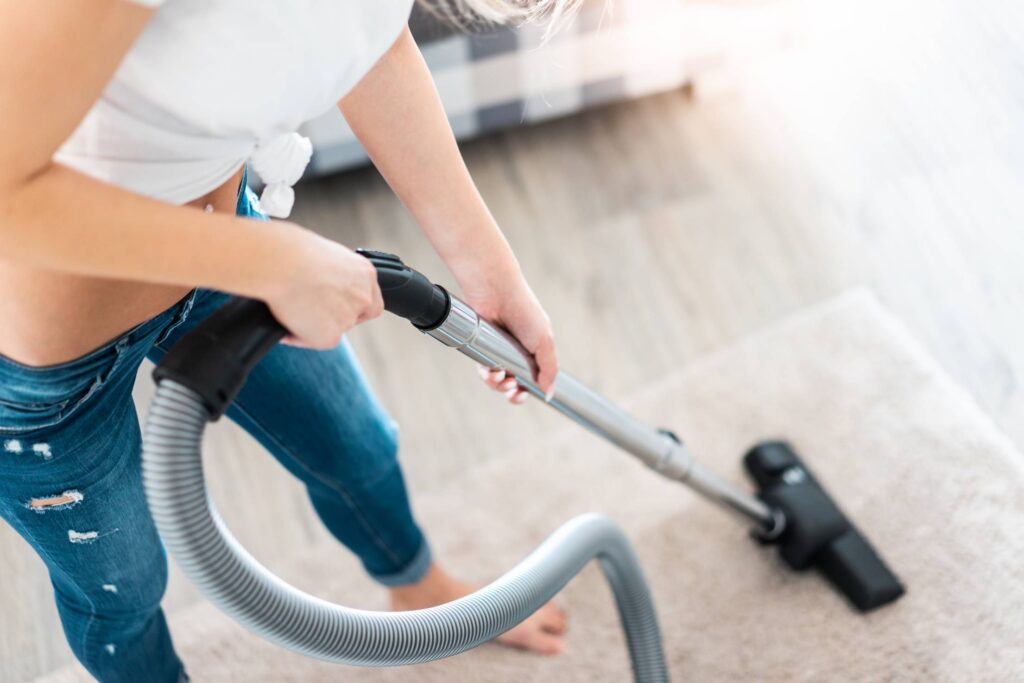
<point x="542" y="632"/>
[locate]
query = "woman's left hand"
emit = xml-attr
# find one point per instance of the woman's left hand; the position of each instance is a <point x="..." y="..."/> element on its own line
<point x="518" y="311"/>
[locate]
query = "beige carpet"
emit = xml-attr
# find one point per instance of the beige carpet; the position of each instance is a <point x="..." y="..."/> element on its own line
<point x="937" y="488"/>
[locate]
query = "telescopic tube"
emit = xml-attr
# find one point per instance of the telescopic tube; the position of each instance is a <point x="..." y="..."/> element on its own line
<point x="464" y="330"/>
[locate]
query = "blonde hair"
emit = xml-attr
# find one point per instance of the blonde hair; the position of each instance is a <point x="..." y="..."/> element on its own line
<point x="553" y="14"/>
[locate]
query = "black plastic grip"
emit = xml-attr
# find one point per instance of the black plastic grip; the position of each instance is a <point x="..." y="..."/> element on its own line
<point x="215" y="358"/>
<point x="408" y="293"/>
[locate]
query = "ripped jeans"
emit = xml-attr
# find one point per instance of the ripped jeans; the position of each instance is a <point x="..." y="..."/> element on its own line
<point x="70" y="478"/>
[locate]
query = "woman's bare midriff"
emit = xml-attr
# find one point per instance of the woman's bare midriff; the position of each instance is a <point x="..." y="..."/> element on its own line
<point x="51" y="317"/>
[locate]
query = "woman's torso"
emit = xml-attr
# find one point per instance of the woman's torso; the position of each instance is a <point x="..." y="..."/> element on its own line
<point x="211" y="83"/>
<point x="55" y="317"/>
<point x="207" y="84"/>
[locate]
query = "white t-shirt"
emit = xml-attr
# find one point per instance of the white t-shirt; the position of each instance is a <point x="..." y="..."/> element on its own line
<point x="210" y="84"/>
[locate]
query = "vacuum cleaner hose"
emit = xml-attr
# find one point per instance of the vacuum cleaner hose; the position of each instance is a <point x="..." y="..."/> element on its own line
<point x="239" y="585"/>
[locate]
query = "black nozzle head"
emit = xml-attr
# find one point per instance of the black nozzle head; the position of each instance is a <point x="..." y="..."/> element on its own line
<point x="817" y="533"/>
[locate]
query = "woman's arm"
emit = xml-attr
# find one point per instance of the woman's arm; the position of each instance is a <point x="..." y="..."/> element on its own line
<point x="56" y="56"/>
<point x="396" y="113"/>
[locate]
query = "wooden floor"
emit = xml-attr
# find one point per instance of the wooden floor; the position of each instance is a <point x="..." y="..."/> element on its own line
<point x="884" y="148"/>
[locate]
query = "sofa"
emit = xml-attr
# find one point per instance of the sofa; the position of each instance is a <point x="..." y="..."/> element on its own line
<point x="495" y="77"/>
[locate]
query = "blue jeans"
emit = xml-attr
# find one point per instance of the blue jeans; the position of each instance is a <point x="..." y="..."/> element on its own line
<point x="70" y="477"/>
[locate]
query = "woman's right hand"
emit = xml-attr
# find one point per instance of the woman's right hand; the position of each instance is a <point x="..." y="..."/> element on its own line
<point x="321" y="291"/>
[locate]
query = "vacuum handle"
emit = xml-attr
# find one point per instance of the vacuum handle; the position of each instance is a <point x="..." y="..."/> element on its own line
<point x="215" y="358"/>
<point x="407" y="292"/>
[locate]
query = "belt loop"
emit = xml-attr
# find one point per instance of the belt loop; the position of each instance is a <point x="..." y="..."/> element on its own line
<point x="187" y="308"/>
<point x="180" y="316"/>
<point x="119" y="348"/>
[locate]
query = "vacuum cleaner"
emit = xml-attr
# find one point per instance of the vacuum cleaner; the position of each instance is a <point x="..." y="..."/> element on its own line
<point x="203" y="372"/>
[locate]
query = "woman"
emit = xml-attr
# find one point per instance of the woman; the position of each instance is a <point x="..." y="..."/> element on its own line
<point x="124" y="220"/>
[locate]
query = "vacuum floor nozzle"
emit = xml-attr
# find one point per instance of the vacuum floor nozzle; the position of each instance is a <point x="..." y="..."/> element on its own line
<point x="817" y="533"/>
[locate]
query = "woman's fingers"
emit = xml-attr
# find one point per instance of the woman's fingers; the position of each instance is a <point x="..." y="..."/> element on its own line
<point x="501" y="381"/>
<point x="547" y="365"/>
<point x="493" y="377"/>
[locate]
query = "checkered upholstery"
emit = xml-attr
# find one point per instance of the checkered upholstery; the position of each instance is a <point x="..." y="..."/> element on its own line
<point x="500" y="77"/>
